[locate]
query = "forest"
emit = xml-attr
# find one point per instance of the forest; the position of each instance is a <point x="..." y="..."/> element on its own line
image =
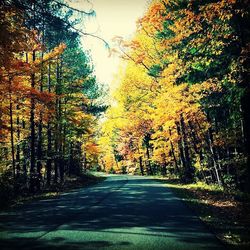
<point x="181" y="103"/>
<point x="50" y="99"/>
<point x="179" y="108"/>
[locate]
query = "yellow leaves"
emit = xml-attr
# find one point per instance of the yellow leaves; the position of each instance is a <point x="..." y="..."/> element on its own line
<point x="79" y="115"/>
<point x="55" y="52"/>
<point x="222" y="10"/>
<point x="108" y="161"/>
<point x="81" y="119"/>
<point x="91" y="148"/>
<point x="130" y="85"/>
<point x="171" y="72"/>
<point x="170" y="60"/>
<point x="198" y="164"/>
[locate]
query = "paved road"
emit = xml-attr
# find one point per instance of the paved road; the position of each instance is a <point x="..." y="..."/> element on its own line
<point x="123" y="212"/>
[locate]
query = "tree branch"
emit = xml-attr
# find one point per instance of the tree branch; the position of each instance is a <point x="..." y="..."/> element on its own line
<point x="92" y="12"/>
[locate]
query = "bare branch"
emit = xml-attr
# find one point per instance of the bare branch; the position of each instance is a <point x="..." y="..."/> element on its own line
<point x="92" y="12"/>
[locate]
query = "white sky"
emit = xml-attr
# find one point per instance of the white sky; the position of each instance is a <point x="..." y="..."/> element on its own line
<point x="113" y="18"/>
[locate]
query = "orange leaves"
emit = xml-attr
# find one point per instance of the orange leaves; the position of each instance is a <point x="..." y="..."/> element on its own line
<point x="44" y="97"/>
<point x="18" y="45"/>
<point x="91" y="148"/>
<point x="140" y="58"/>
<point x="152" y="21"/>
<point x="221" y="9"/>
<point x="134" y="44"/>
<point x="55" y="52"/>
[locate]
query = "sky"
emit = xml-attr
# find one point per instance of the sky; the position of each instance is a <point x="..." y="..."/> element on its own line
<point x="113" y="18"/>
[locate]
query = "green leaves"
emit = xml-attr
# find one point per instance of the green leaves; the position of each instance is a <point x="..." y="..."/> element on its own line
<point x="167" y="32"/>
<point x="155" y="70"/>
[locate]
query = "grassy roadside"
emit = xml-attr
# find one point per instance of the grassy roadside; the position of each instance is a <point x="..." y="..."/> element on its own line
<point x="226" y="214"/>
<point x="70" y="184"/>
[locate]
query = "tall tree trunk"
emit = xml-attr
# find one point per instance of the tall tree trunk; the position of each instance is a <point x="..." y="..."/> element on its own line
<point x="39" y="137"/>
<point x="194" y="138"/>
<point x="198" y="152"/>
<point x="184" y="151"/>
<point x="25" y="157"/>
<point x="189" y="169"/>
<point x="148" y="159"/>
<point x="32" y="114"/>
<point x="215" y="166"/>
<point x="60" y="141"/>
<point x="71" y="159"/>
<point x="12" y="131"/>
<point x="164" y="165"/>
<point x="141" y="165"/>
<point x="64" y="149"/>
<point x="25" y="146"/>
<point x="212" y="151"/>
<point x="49" y="136"/>
<point x="18" y="167"/>
<point x="57" y="125"/>
<point x="140" y="162"/>
<point x="32" y="132"/>
<point x="180" y="147"/>
<point x="56" y="163"/>
<point x="207" y="138"/>
<point x="173" y="152"/>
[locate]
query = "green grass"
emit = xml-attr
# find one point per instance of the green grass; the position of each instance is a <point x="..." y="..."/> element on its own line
<point x="223" y="212"/>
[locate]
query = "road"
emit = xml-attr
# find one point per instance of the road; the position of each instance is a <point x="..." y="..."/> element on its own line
<point x="122" y="212"/>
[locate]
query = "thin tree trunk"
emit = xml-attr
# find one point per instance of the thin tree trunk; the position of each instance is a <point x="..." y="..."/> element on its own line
<point x="148" y="160"/>
<point x="141" y="165"/>
<point x="213" y="153"/>
<point x="18" y="167"/>
<point x="57" y="125"/>
<point x="173" y="152"/>
<point x="32" y="116"/>
<point x="210" y="140"/>
<point x="189" y="171"/>
<point x="49" y="136"/>
<point x="184" y="152"/>
<point x="12" y="131"/>
<point x="207" y="139"/>
<point x="61" y="156"/>
<point x="32" y="131"/>
<point x="140" y="162"/>
<point x="164" y="165"/>
<point x="197" y="151"/>
<point x="39" y="138"/>
<point x="181" y="153"/>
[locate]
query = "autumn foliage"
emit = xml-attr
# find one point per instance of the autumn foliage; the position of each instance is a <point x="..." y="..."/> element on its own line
<point x="48" y="98"/>
<point x="178" y="108"/>
<point x="179" y="105"/>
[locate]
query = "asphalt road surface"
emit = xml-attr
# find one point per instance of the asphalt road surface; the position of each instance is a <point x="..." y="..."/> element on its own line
<point x="123" y="212"/>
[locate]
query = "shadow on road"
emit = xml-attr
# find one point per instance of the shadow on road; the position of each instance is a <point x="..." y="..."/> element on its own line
<point x="140" y="209"/>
